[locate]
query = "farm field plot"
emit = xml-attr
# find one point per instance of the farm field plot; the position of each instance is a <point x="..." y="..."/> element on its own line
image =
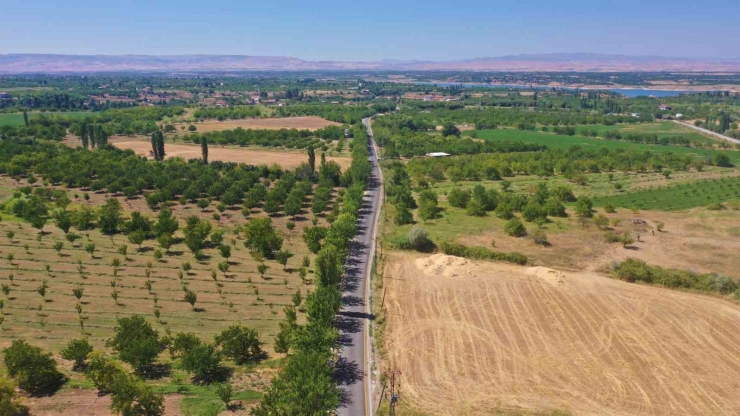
<point x="473" y="338"/>
<point x="16" y="119"/>
<point x="556" y="141"/>
<point x="300" y="123"/>
<point x="677" y="197"/>
<point x="660" y="129"/>
<point x="252" y="156"/>
<point x="243" y="297"/>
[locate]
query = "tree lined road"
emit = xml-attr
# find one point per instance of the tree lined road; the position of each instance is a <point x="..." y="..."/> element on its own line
<point x="709" y="132"/>
<point x="353" y="367"/>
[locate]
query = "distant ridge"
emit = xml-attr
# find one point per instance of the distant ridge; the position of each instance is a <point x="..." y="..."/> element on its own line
<point x="556" y="62"/>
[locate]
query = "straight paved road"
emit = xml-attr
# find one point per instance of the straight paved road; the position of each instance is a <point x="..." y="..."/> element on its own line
<point x="709" y="132"/>
<point x="353" y="368"/>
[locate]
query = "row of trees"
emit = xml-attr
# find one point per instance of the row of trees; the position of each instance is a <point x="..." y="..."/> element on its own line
<point x="307" y="384"/>
<point x="571" y="163"/>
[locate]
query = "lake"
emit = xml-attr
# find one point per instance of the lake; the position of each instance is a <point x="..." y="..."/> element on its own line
<point x="627" y="92"/>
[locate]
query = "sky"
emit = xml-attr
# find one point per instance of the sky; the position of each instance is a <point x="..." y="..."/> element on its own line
<point x="372" y="30"/>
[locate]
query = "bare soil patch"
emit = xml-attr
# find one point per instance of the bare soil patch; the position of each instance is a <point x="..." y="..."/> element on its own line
<point x="250" y="156"/>
<point x="86" y="403"/>
<point x="474" y="338"/>
<point x="300" y="123"/>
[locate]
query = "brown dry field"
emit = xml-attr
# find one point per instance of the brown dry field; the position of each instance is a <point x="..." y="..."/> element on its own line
<point x="300" y="123"/>
<point x="250" y="156"/>
<point x="87" y="403"/>
<point x="476" y="338"/>
<point x="698" y="240"/>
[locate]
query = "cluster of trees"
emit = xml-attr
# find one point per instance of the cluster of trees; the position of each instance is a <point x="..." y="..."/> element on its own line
<point x="93" y="135"/>
<point x="288" y="138"/>
<point x="572" y="163"/>
<point x="540" y="202"/>
<point x="482" y="253"/>
<point x="645" y="138"/>
<point x="227" y="113"/>
<point x="127" y="121"/>
<point x="346" y="114"/>
<point x="307" y="384"/>
<point x="137" y="344"/>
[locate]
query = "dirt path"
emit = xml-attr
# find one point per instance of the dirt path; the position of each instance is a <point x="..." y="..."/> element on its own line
<point x="473" y="337"/>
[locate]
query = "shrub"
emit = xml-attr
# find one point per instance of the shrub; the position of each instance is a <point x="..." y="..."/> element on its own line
<point x="419" y="239"/>
<point x="10" y="404"/>
<point x="633" y="270"/>
<point x="241" y="344"/>
<point x="481" y="253"/>
<point x="204" y="361"/>
<point x="136" y="342"/>
<point x="34" y="371"/>
<point x="183" y="344"/>
<point x="102" y="370"/>
<point x="515" y="228"/>
<point x="609" y="209"/>
<point x="77" y="350"/>
<point x="540" y="238"/>
<point x="601" y="222"/>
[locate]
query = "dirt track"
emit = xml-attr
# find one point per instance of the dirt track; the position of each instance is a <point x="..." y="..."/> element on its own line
<point x="250" y="156"/>
<point x="474" y="337"/>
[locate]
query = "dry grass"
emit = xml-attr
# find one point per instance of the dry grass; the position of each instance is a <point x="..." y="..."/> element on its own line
<point x="300" y="123"/>
<point x="698" y="240"/>
<point x="477" y="338"/>
<point x="251" y="156"/>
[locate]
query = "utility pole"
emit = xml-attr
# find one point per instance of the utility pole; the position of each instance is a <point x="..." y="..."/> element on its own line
<point x="393" y="397"/>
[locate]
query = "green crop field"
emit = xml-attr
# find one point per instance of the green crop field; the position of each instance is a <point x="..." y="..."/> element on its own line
<point x="660" y="129"/>
<point x="556" y="141"/>
<point x="16" y="119"/>
<point x="677" y="197"/>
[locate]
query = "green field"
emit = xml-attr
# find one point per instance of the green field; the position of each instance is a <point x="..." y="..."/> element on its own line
<point x="660" y="129"/>
<point x="555" y="141"/>
<point x="677" y="197"/>
<point x="16" y="119"/>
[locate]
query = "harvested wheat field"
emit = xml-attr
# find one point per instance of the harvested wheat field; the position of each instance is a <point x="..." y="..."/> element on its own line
<point x="475" y="337"/>
<point x="250" y="156"/>
<point x="300" y="123"/>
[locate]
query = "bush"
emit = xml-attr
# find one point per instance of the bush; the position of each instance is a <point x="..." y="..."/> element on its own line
<point x="633" y="270"/>
<point x="77" y="350"/>
<point x="183" y="344"/>
<point x="241" y="344"/>
<point x="540" y="238"/>
<point x="102" y="370"/>
<point x="609" y="209"/>
<point x="204" y="361"/>
<point x="136" y="342"/>
<point x="419" y="239"/>
<point x="481" y="253"/>
<point x="515" y="228"/>
<point x="34" y="371"/>
<point x="10" y="404"/>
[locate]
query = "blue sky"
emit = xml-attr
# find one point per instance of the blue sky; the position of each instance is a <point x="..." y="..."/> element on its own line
<point x="372" y="30"/>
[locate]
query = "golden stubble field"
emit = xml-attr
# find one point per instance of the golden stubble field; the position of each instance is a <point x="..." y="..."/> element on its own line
<point x="251" y="156"/>
<point x="474" y="338"/>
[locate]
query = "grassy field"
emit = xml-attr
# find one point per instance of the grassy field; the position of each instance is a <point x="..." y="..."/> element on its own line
<point x="556" y="141"/>
<point x="660" y="129"/>
<point x="677" y="197"/>
<point x="16" y="119"/>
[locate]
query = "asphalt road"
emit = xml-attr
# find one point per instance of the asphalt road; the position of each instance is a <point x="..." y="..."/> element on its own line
<point x="353" y="368"/>
<point x="709" y="132"/>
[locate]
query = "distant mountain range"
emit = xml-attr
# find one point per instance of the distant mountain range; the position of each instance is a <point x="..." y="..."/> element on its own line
<point x="581" y="62"/>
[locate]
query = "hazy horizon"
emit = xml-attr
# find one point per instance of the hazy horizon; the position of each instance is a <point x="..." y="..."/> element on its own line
<point x="381" y="30"/>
